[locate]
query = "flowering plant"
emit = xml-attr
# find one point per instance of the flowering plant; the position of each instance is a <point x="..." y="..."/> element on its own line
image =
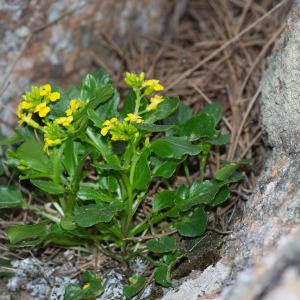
<point x="100" y="167"/>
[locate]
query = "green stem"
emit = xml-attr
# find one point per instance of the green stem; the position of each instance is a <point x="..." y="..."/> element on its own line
<point x="203" y="160"/>
<point x="57" y="154"/>
<point x="41" y="212"/>
<point x="129" y="203"/>
<point x="137" y="101"/>
<point x="145" y="225"/>
<point x="187" y="172"/>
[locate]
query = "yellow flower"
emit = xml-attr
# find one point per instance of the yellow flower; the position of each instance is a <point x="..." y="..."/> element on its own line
<point x="104" y="131"/>
<point x="50" y="143"/>
<point x="54" y="96"/>
<point x="110" y="122"/>
<point x="27" y="119"/>
<point x="74" y="106"/>
<point x="23" y="105"/>
<point x="134" y="118"/>
<point x="108" y="125"/>
<point x="154" y="101"/>
<point x="42" y="109"/>
<point x="45" y="90"/>
<point x="154" y="85"/>
<point x="64" y="121"/>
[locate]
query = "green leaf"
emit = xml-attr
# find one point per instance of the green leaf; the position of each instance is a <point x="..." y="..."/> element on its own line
<point x="225" y="172"/>
<point x="96" y="89"/>
<point x="228" y="170"/>
<point x="166" y="108"/>
<point x="103" y="148"/>
<point x="109" y="183"/>
<point x="88" y="193"/>
<point x="180" y="116"/>
<point x="200" y="192"/>
<point x="164" y="167"/>
<point x="129" y="104"/>
<point x="73" y="292"/>
<point x="89" y="215"/>
<point x="92" y="288"/>
<point x="142" y="174"/>
<point x="19" y="233"/>
<point x="11" y="140"/>
<point x="63" y="104"/>
<point x="221" y="139"/>
<point x="32" y="152"/>
<point x="71" y="156"/>
<point x="137" y="283"/>
<point x="215" y="110"/>
<point x="174" y="147"/>
<point x="163" y="200"/>
<point x="162" y="245"/>
<point x="148" y="127"/>
<point x="6" y="269"/>
<point x="105" y="110"/>
<point x="194" y="224"/>
<point x="48" y="186"/>
<point x="221" y="196"/>
<point x="10" y="197"/>
<point x="162" y="276"/>
<point x="199" y="126"/>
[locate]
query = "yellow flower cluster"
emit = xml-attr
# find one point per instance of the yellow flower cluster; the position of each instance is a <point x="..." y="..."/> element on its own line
<point x="138" y="82"/>
<point x="121" y="131"/>
<point x="53" y="135"/>
<point x="36" y="101"/>
<point x="35" y="105"/>
<point x="153" y="85"/>
<point x="134" y="118"/>
<point x="66" y="121"/>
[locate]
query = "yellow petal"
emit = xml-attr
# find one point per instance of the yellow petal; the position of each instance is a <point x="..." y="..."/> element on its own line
<point x="45" y="90"/>
<point x="54" y="96"/>
<point x="69" y="112"/>
<point x="26" y="105"/>
<point x="104" y="131"/>
<point x="44" y="111"/>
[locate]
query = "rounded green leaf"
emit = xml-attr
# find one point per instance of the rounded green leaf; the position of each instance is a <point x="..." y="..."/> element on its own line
<point x="162" y="275"/>
<point x="162" y="245"/>
<point x="109" y="183"/>
<point x="10" y="197"/>
<point x="89" y="215"/>
<point x="166" y="108"/>
<point x="163" y="200"/>
<point x="221" y="197"/>
<point x="174" y="147"/>
<point x="137" y="283"/>
<point x="199" y="126"/>
<point x="215" y="110"/>
<point x="193" y="225"/>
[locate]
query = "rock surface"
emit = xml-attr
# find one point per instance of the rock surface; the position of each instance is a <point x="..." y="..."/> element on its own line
<point x="261" y="258"/>
<point x="46" y="40"/>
